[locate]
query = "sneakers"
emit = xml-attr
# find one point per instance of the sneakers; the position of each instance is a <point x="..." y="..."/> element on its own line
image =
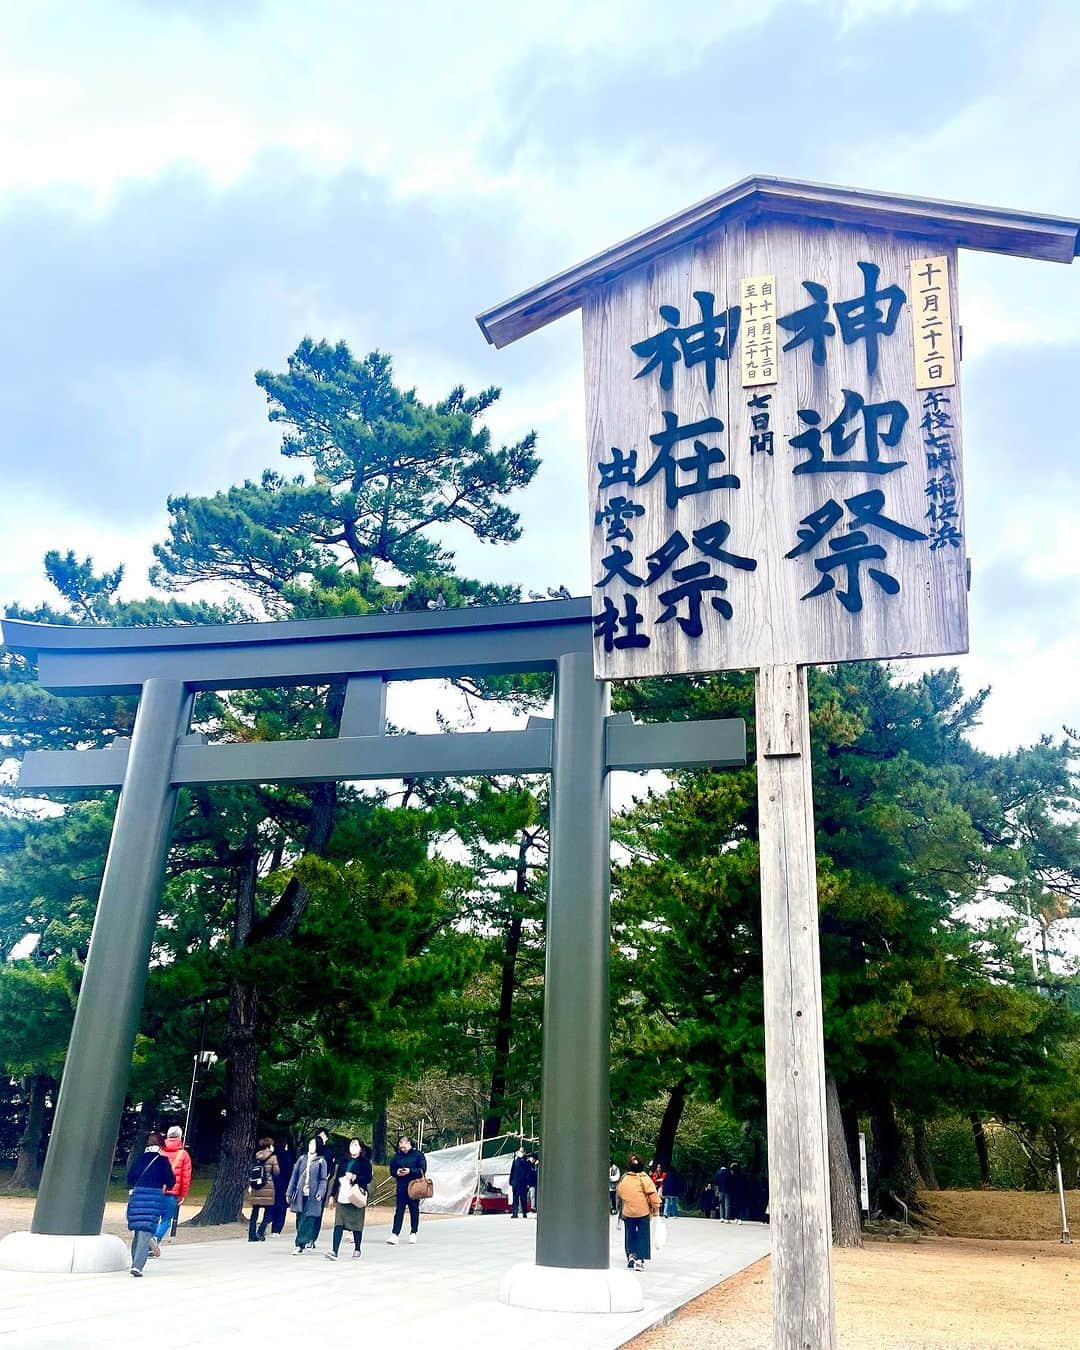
<point x="391" y="1241"/>
<point x="298" y="1251"/>
<point x="136" y="1272"/>
<point x="155" y="1250"/>
<point x="639" y="1265"/>
<point x="356" y="1256"/>
<point x="412" y="1239"/>
<point x="331" y="1256"/>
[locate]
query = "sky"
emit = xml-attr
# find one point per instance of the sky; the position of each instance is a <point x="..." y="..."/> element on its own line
<point x="188" y="189"/>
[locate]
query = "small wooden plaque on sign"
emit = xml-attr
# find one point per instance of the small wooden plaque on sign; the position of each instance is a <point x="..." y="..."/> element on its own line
<point x="931" y="323"/>
<point x="757" y="303"/>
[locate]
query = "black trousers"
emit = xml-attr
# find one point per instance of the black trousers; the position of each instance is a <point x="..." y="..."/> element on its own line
<point x="405" y="1201"/>
<point x="521" y="1197"/>
<point x="339" y="1233"/>
<point x="257" y="1230"/>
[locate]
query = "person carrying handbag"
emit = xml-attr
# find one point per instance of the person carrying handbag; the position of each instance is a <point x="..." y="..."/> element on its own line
<point x="307" y="1187"/>
<point x="638" y="1201"/>
<point x="354" y="1181"/>
<point x="408" y="1167"/>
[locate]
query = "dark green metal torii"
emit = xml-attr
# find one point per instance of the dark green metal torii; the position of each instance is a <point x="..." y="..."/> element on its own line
<point x="167" y="666"/>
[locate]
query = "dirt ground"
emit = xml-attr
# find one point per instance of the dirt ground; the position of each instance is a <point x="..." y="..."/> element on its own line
<point x="935" y="1294"/>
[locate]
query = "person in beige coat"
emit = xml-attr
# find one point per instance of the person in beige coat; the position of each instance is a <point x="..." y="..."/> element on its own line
<point x="261" y="1194"/>
<point x="638" y="1201"/>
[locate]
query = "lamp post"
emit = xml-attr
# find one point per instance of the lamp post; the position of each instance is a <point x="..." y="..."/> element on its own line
<point x="203" y="1059"/>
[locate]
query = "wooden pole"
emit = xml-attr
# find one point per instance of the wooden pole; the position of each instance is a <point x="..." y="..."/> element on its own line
<point x="803" y="1314"/>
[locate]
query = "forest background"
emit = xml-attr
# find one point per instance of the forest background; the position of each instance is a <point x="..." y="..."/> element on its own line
<point x="362" y="959"/>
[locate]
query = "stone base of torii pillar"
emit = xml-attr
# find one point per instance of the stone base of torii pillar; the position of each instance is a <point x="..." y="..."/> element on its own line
<point x="559" y="1289"/>
<point x="61" y="1254"/>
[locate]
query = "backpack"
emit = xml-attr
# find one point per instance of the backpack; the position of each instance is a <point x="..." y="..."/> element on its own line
<point x="257" y="1175"/>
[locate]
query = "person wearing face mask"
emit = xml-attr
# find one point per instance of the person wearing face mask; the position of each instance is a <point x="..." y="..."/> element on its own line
<point x="307" y="1188"/>
<point x="407" y="1165"/>
<point x="354" y="1180"/>
<point x="325" y="1150"/>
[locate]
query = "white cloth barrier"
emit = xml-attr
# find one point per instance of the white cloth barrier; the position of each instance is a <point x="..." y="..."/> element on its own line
<point x="454" y="1172"/>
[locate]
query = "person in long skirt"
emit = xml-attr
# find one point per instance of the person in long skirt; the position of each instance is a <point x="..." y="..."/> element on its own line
<point x="350" y="1206"/>
<point x="307" y="1187"/>
<point x="639" y="1201"/>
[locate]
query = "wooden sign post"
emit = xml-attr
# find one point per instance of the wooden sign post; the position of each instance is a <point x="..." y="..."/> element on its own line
<point x="775" y="481"/>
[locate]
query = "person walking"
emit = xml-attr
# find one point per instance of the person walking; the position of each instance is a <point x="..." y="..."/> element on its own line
<point x="262" y="1189"/>
<point x="180" y="1159"/>
<point x="638" y="1200"/>
<point x="722" y="1182"/>
<point x="326" y="1152"/>
<point x="613" y="1175"/>
<point x="406" y="1166"/>
<point x="708" y="1200"/>
<point x="286" y="1162"/>
<point x="350" y="1208"/>
<point x="519" y="1184"/>
<point x="149" y="1177"/>
<point x="673" y="1189"/>
<point x="737" y="1187"/>
<point x="305" y="1195"/>
<point x="533" y="1160"/>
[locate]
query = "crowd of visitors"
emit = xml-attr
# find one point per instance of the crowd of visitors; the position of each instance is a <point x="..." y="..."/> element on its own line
<point x="160" y="1179"/>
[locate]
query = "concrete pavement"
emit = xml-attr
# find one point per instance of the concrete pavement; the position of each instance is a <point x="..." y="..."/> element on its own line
<point x="212" y="1295"/>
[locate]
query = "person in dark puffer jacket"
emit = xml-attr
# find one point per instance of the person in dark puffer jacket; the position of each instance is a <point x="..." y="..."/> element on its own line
<point x="149" y="1177"/>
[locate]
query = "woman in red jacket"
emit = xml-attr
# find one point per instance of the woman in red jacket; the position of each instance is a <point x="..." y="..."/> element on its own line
<point x="180" y="1159"/>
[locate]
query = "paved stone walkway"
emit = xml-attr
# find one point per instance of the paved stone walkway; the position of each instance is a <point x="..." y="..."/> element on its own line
<point x="441" y="1293"/>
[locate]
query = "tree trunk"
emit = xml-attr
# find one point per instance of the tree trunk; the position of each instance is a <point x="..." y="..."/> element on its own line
<point x="844" y="1197"/>
<point x="893" y="1168"/>
<point x="144" y="1123"/>
<point x="980" y="1147"/>
<point x="27" y="1172"/>
<point x="379" y="1127"/>
<point x="923" y="1160"/>
<point x="225" y="1202"/>
<point x="226" y="1198"/>
<point x="849" y="1115"/>
<point x="504" y="1022"/>
<point x="669" y="1123"/>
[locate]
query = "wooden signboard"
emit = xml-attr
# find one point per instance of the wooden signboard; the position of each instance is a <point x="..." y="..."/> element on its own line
<point x="774" y="471"/>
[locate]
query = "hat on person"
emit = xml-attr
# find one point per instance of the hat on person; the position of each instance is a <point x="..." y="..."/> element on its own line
<point x="174" y="1132"/>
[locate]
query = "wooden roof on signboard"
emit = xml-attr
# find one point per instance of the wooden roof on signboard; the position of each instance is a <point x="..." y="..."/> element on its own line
<point x="1050" y="238"/>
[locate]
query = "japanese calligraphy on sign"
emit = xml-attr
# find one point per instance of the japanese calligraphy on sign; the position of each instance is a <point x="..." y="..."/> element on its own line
<point x="931" y="323"/>
<point x="774" y="439"/>
<point x="757" y="301"/>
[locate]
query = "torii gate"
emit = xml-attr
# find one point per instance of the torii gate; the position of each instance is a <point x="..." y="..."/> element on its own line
<point x="579" y="747"/>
